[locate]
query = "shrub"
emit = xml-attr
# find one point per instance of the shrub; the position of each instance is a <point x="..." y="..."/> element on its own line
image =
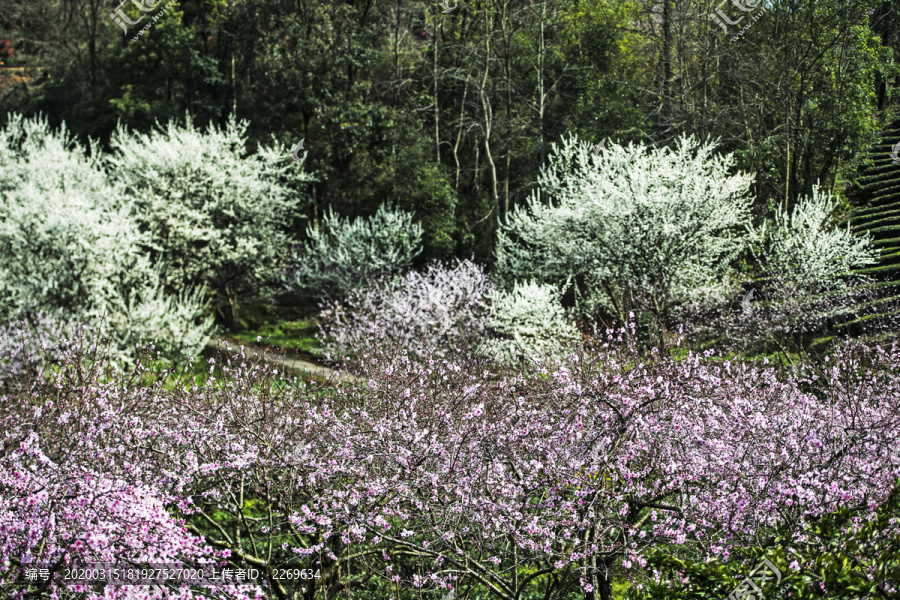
<point x="805" y="248"/>
<point x="574" y="472"/>
<point x="449" y="311"/>
<point x="342" y="256"/>
<point x="69" y="243"/>
<point x="631" y="226"/>
<point x="528" y="323"/>
<point x="215" y="215"/>
<point x="435" y="313"/>
<point x="91" y="473"/>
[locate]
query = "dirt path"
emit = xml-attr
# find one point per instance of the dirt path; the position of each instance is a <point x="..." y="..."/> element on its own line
<point x="291" y="366"/>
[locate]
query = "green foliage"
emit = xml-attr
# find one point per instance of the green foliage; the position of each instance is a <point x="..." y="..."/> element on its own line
<point x="169" y="69"/>
<point x="422" y="187"/>
<point x="861" y="560"/>
<point x="342" y="255"/>
<point x="599" y="37"/>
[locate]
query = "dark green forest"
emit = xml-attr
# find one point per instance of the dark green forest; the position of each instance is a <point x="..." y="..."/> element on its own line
<point x="449" y="110"/>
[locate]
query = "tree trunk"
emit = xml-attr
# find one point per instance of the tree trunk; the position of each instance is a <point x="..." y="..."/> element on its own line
<point x="507" y="29"/>
<point x="437" y="112"/>
<point x="233" y="89"/>
<point x="667" y="56"/>
<point x="601" y="579"/>
<point x="540" y="83"/>
<point x="459" y="131"/>
<point x="487" y="109"/>
<point x="604" y="586"/>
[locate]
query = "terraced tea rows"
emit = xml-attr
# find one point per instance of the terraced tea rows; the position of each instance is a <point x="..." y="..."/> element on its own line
<point x="875" y="196"/>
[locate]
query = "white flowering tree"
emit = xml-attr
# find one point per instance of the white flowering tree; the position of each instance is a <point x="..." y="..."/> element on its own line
<point x="631" y="226"/>
<point x="806" y="246"/>
<point x="215" y="213"/>
<point x="439" y="311"/>
<point x="449" y="311"/>
<point x="70" y="247"/>
<point x="806" y="291"/>
<point x="342" y="255"/>
<point x="529" y="323"/>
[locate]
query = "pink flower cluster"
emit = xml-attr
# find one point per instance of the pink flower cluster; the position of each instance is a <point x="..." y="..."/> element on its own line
<point x="94" y="472"/>
<point x="470" y="470"/>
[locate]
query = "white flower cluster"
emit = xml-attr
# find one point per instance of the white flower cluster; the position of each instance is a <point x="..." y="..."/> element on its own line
<point x="631" y="222"/>
<point x="69" y="240"/>
<point x="529" y="323"/>
<point x="805" y="246"/>
<point x="446" y="311"/>
<point x="215" y="214"/>
<point x="342" y="255"/>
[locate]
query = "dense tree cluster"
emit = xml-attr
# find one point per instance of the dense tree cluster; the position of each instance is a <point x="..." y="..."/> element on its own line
<point x="72" y="241"/>
<point x="451" y="114"/>
<point x="464" y="241"/>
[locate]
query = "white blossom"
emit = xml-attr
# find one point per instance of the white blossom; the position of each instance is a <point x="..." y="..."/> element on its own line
<point x="652" y="227"/>
<point x="215" y="214"/>
<point x="529" y="323"/>
<point x="342" y="255"/>
<point x="71" y="247"/>
<point x="805" y="247"/>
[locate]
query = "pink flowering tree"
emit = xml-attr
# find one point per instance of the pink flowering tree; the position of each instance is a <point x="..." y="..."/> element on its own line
<point x="94" y="472"/>
<point x="455" y="474"/>
<point x="458" y="474"/>
<point x="572" y="470"/>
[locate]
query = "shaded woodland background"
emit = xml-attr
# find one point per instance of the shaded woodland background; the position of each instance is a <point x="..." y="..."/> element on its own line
<point x="451" y="115"/>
